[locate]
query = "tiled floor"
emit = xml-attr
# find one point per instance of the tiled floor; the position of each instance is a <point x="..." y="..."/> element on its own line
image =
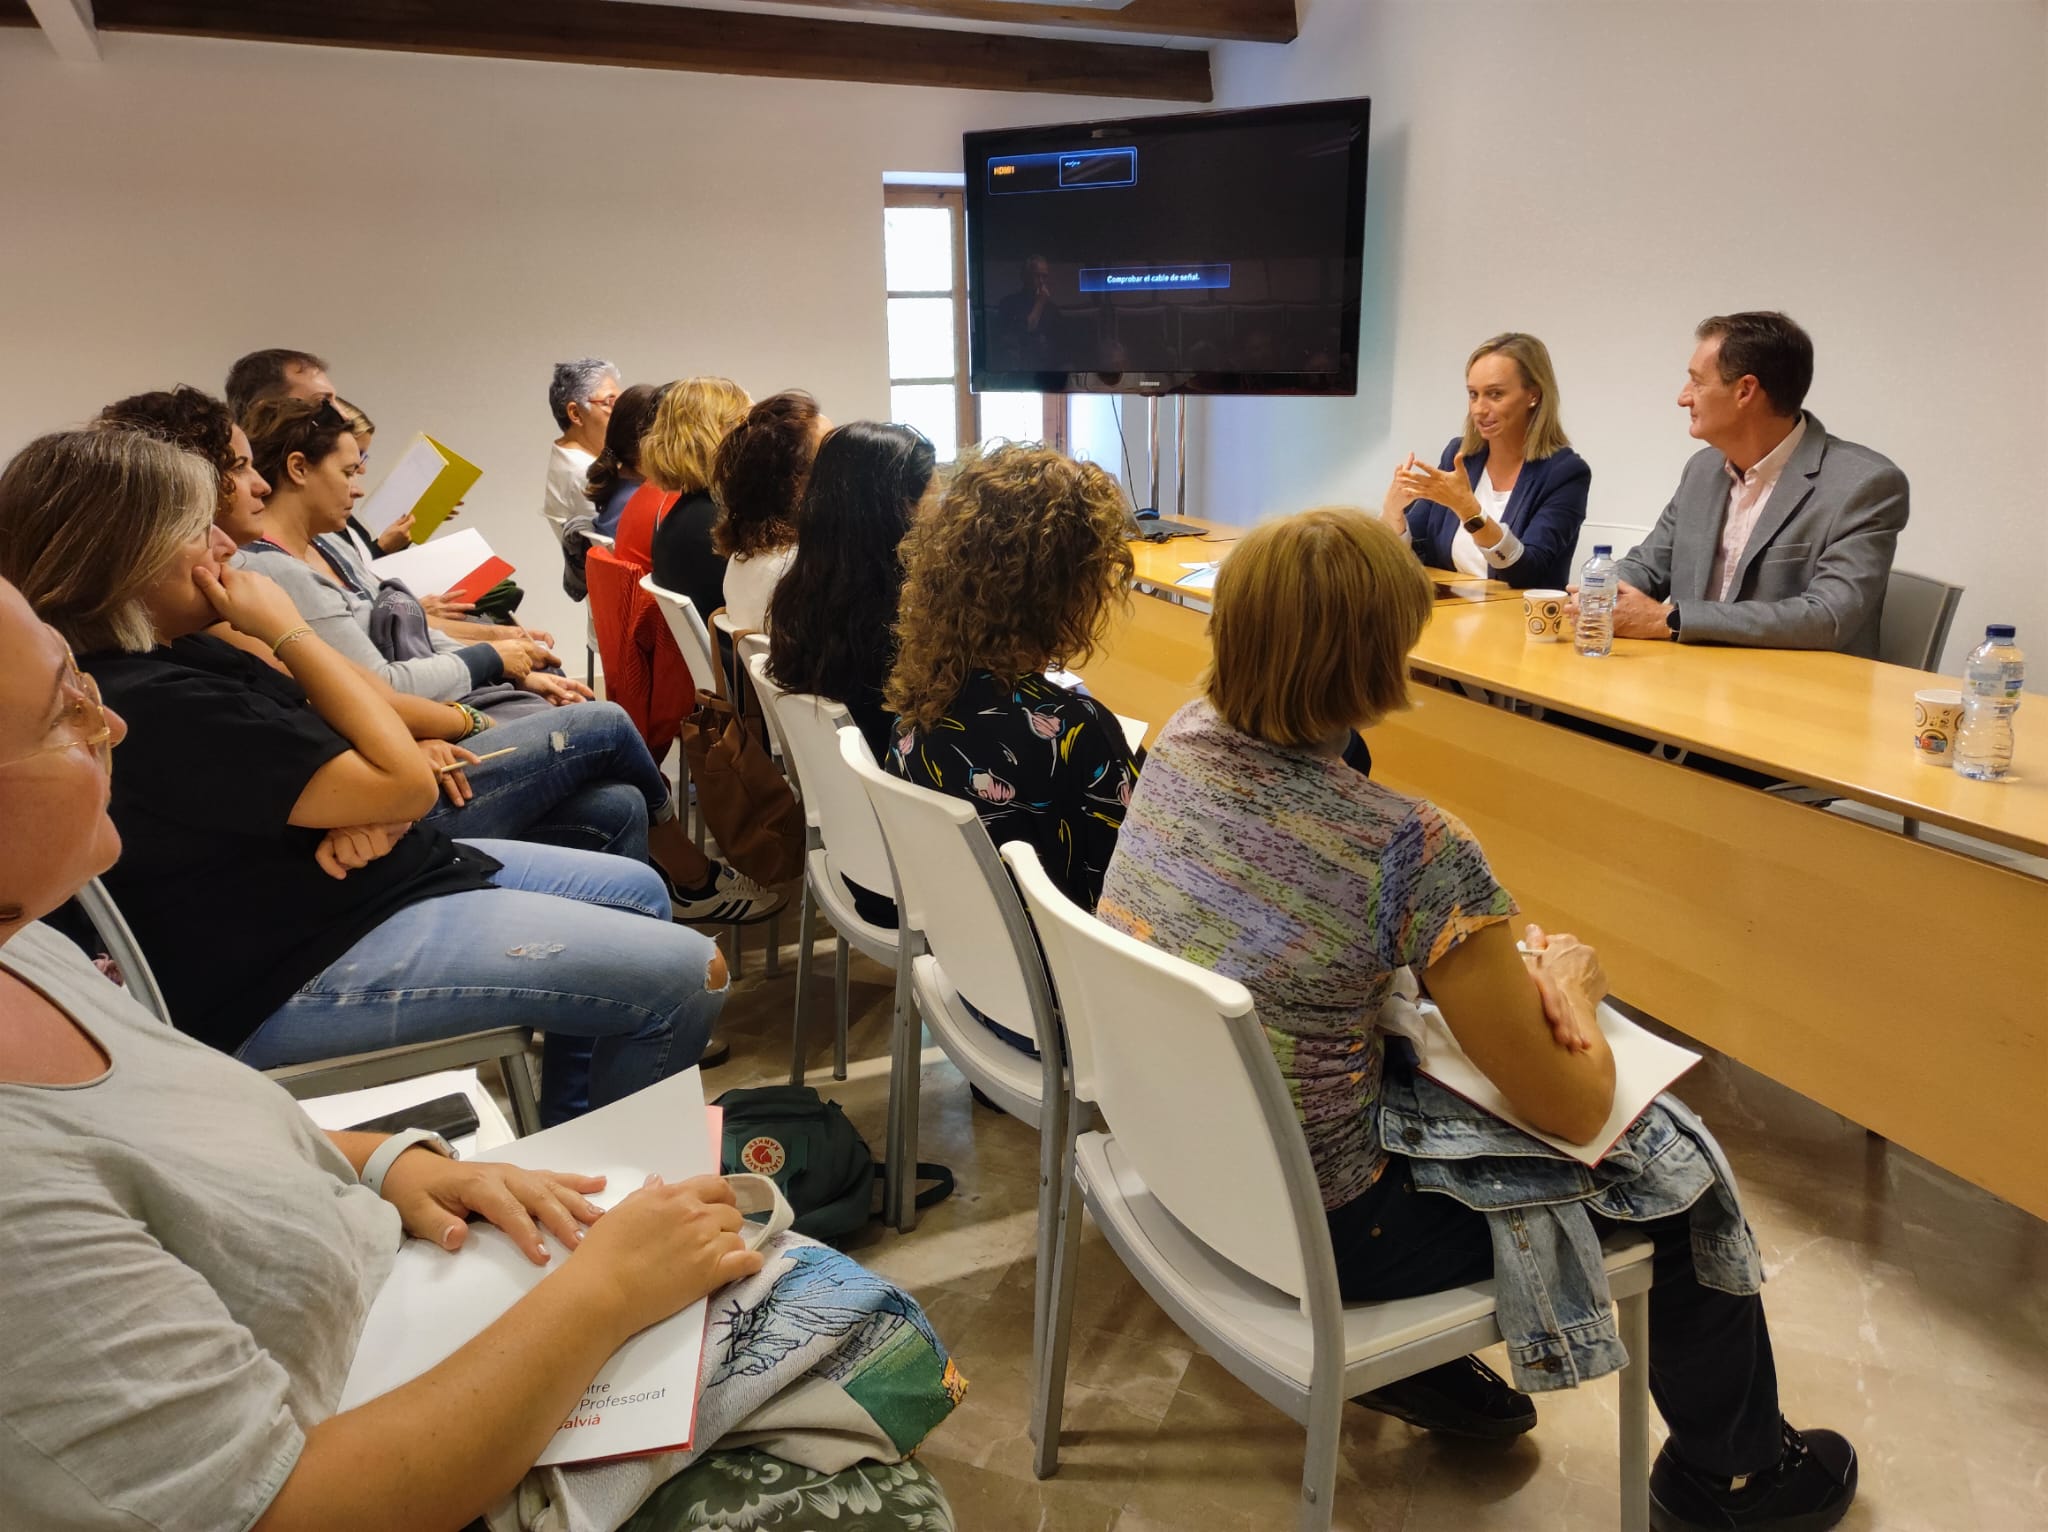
<point x="1909" y="1311"/>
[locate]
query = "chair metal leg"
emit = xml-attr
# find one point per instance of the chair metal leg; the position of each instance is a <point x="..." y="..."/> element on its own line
<point x="806" y="929"/>
<point x="842" y="1000"/>
<point x="1319" y="1463"/>
<point x="1635" y="1414"/>
<point x="738" y="961"/>
<point x="590" y="667"/>
<point x="906" y="1071"/>
<point x="1050" y="1367"/>
<point x="772" y="958"/>
<point x="1052" y="1139"/>
<point x="518" y="1076"/>
<point x="696" y="824"/>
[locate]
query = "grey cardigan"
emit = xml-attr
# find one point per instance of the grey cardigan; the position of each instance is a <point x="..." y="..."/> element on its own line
<point x="342" y="618"/>
<point x="1813" y="573"/>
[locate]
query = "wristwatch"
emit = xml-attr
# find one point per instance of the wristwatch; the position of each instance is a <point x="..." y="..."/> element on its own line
<point x="387" y="1153"/>
<point x="1671" y="619"/>
<point x="1475" y="521"/>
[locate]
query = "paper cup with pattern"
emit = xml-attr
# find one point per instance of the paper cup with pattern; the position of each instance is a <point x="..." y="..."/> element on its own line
<point x="1937" y="719"/>
<point x="1543" y="615"/>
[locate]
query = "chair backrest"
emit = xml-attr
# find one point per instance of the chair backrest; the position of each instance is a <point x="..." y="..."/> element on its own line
<point x="753" y="654"/>
<point x="1174" y="1058"/>
<point x="1917" y="612"/>
<point x="835" y="807"/>
<point x="953" y="891"/>
<point x="692" y="637"/>
<point x="122" y="947"/>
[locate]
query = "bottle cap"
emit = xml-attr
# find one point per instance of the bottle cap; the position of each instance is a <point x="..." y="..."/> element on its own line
<point x="1602" y="550"/>
<point x="2000" y="632"/>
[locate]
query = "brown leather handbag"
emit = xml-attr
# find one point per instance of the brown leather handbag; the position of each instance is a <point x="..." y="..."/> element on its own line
<point x="745" y="799"/>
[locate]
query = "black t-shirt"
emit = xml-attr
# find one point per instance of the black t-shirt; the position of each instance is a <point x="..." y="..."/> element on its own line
<point x="222" y="891"/>
<point x="683" y="558"/>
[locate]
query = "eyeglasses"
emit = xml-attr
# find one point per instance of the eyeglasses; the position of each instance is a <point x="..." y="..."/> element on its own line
<point x="601" y="402"/>
<point x="83" y="722"/>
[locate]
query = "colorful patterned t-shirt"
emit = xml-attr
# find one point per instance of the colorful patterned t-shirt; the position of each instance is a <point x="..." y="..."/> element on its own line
<point x="1309" y="884"/>
<point x="1039" y="763"/>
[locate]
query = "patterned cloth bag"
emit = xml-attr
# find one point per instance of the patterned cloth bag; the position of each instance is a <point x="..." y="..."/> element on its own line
<point x="814" y="1361"/>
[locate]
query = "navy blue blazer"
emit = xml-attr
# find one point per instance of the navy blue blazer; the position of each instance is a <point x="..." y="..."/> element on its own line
<point x="1546" y="510"/>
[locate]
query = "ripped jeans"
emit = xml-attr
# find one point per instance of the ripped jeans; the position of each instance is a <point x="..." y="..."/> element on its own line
<point x="574" y="944"/>
<point x="579" y="776"/>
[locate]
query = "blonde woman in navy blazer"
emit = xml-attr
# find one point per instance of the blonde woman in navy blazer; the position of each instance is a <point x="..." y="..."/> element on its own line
<point x="1508" y="498"/>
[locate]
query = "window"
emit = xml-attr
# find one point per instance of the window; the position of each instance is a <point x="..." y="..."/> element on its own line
<point x="924" y="258"/>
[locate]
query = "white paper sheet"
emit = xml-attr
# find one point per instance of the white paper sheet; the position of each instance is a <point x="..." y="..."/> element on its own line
<point x="645" y="1398"/>
<point x="432" y="567"/>
<point x="1644" y="1067"/>
<point x="411" y="477"/>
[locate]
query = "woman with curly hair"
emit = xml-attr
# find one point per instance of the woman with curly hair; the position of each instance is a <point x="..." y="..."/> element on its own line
<point x="758" y="478"/>
<point x="1013" y="574"/>
<point x="677" y="454"/>
<point x="196" y="421"/>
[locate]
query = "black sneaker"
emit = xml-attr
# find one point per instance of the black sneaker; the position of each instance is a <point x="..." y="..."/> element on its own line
<point x="1462" y="1398"/>
<point x="733" y="899"/>
<point x="1808" y="1491"/>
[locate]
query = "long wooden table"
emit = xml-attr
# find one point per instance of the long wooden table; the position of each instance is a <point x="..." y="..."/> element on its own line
<point x="1902" y="984"/>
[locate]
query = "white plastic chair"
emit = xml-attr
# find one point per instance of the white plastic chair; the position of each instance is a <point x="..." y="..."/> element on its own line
<point x="1201" y="1182"/>
<point x="966" y="937"/>
<point x="843" y="839"/>
<point x="504" y="1046"/>
<point x="686" y="626"/>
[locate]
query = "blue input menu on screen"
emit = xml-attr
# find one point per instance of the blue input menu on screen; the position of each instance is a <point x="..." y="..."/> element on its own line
<point x="1070" y="170"/>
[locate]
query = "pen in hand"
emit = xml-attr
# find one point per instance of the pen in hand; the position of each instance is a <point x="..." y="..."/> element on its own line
<point x="465" y="765"/>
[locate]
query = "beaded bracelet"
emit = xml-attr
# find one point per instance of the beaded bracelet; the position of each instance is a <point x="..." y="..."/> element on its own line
<point x="478" y="721"/>
<point x="301" y="631"/>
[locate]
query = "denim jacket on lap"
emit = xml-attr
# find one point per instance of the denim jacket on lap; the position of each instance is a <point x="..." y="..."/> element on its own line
<point x="1550" y="1284"/>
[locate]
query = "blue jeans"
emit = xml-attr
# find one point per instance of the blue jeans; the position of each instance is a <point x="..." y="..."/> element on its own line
<point x="581" y="777"/>
<point x="571" y="943"/>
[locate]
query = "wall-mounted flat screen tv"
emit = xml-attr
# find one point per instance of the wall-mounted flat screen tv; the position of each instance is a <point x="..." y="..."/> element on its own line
<point x="1213" y="252"/>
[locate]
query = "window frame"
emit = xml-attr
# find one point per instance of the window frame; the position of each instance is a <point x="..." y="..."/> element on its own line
<point x="966" y="403"/>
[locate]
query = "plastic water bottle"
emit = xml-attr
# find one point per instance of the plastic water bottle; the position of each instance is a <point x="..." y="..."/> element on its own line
<point x="1993" y="676"/>
<point x="1595" y="633"/>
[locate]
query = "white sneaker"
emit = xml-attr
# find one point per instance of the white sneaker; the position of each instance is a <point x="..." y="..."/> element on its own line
<point x="735" y="900"/>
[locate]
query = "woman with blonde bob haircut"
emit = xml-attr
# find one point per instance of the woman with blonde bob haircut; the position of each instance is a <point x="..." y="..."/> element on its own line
<point x="1508" y="497"/>
<point x="1015" y="572"/>
<point x="1252" y="849"/>
<point x="673" y="538"/>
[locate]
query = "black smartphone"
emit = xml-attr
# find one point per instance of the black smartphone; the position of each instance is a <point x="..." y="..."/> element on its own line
<point x="452" y="1116"/>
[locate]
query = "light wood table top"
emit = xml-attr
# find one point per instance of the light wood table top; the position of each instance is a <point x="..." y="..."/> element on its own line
<point x="1160" y="563"/>
<point x="1829" y="721"/>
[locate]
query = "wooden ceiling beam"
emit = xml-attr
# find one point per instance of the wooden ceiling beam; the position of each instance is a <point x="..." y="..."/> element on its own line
<point x="1235" y="21"/>
<point x="640" y="36"/>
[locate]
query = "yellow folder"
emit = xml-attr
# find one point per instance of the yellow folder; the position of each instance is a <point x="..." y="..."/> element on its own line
<point x="429" y="480"/>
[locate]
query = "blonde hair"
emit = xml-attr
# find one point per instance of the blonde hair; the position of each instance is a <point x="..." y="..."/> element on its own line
<point x="1016" y="569"/>
<point x="1314" y="617"/>
<point x="89" y="520"/>
<point x="1532" y="359"/>
<point x="678" y="449"/>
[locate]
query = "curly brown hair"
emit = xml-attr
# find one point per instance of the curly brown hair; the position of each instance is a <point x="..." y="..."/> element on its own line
<point x="1016" y="570"/>
<point x="185" y="417"/>
<point x="760" y="472"/>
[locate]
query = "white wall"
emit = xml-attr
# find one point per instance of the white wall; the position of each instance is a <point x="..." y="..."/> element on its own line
<point x="443" y="230"/>
<point x="1604" y="173"/>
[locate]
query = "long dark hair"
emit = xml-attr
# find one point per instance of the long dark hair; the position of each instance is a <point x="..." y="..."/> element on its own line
<point x="831" y="619"/>
<point x="631" y="417"/>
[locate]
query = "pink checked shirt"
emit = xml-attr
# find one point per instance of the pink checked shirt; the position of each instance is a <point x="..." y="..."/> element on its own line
<point x="1748" y="493"/>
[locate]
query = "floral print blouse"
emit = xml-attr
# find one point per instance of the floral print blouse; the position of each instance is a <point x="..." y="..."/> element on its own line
<point x="1039" y="763"/>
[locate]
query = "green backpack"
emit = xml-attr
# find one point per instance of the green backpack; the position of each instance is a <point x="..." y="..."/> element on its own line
<point x="806" y="1146"/>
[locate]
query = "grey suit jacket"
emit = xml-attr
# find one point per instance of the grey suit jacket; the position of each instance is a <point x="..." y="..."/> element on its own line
<point x="1813" y="573"/>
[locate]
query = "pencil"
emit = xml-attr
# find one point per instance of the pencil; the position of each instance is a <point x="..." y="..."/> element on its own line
<point x="491" y="756"/>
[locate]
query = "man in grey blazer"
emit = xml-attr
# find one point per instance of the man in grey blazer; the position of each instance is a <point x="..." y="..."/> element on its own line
<point x="1780" y="536"/>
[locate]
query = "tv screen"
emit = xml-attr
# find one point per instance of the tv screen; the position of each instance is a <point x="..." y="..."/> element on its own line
<point x="1216" y="252"/>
